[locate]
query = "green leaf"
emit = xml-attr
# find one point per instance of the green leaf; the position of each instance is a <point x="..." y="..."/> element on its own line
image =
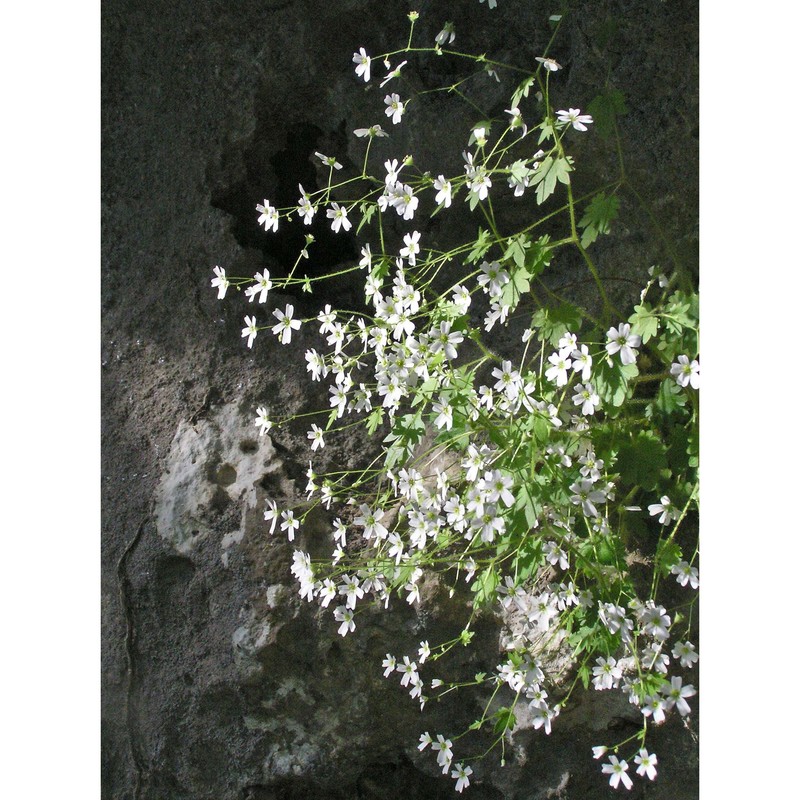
<point x="374" y="419"/>
<point x="484" y="586"/>
<point x="406" y="434"/>
<point x="597" y="218"/>
<point x="605" y="109"/>
<point x="548" y="131"/>
<point x="554" y="322"/>
<point x="482" y="244"/>
<point x="644" y="322"/>
<point x="642" y="460"/>
<point x="583" y="674"/>
<point x="504" y="719"/>
<point x="539" y="256"/>
<point x="668" y="554"/>
<point x="367" y="210"/>
<point x="669" y="399"/>
<point x="693" y="449"/>
<point x="551" y="171"/>
<point x="516" y="250"/>
<point x="522" y="90"/>
<point x="519" y="171"/>
<point x="611" y="381"/>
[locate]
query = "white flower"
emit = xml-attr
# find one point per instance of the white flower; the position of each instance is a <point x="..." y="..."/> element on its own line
<point x="389" y="664"/>
<point x="289" y="524"/>
<point x="607" y="673"/>
<point x="394" y="73"/>
<point x="408" y="669"/>
<point x="492" y="3"/>
<point x="618" y="771"/>
<point x="221" y="282"/>
<point x="328" y="161"/>
<point x="271" y="514"/>
<point x="285" y="325"/>
<point x="493" y="278"/>
<point x="339" y="216"/>
<point x="444" y="746"/>
<point x="665" y="508"/>
<point x="685" y="373"/>
<point x="444" y="339"/>
<point x="412" y="247"/>
<point x="269" y="216"/>
<point x="559" y="372"/>
<point x="424" y="740"/>
<point x="655" y="707"/>
<point x="655" y="621"/>
<point x="394" y="107"/>
<point x="586" y="398"/>
<point x="461" y="774"/>
<point x="403" y="200"/>
<point x="327" y="592"/>
<point x="262" y="420"/>
<point x="686" y="574"/>
<point x="461" y="298"/>
<point x="575" y="118"/>
<point x="444" y="191"/>
<point x="315" y="365"/>
<point x="445" y="415"/>
<point x="372" y="131"/>
<point x="345" y="616"/>
<point x="647" y="764"/>
<point x="549" y="64"/>
<point x="362" y="62"/>
<point x="304" y="207"/>
<point x="581" y="360"/>
<point x="315" y="435"/>
<point x="250" y="330"/>
<point x="424" y="652"/>
<point x="508" y="380"/>
<point x="586" y="496"/>
<point x="478" y="181"/>
<point x="622" y="341"/>
<point x="371" y="520"/>
<point x="515" y="122"/>
<point x="392" y="171"/>
<point x="446" y="35"/>
<point x="676" y="695"/>
<point x="351" y="589"/>
<point x="478" y="136"/>
<point x="261" y="287"/>
<point x="686" y="652"/>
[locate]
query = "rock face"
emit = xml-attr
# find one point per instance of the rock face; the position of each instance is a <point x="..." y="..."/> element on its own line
<point x="219" y="683"/>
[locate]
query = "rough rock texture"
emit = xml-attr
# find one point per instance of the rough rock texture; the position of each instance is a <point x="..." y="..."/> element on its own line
<point x="217" y="681"/>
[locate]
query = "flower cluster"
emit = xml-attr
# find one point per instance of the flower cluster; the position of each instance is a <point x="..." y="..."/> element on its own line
<point x="512" y="472"/>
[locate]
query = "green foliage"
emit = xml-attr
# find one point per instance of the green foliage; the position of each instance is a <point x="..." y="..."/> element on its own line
<point x="642" y="460"/>
<point x="483" y="242"/>
<point x="554" y="169"/>
<point x="553" y="323"/>
<point x="597" y="219"/>
<point x="644" y="322"/>
<point x="606" y="109"/>
<point x="530" y="487"/>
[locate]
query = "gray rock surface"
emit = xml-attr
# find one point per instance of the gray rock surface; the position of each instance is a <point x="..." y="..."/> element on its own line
<point x="218" y="682"/>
